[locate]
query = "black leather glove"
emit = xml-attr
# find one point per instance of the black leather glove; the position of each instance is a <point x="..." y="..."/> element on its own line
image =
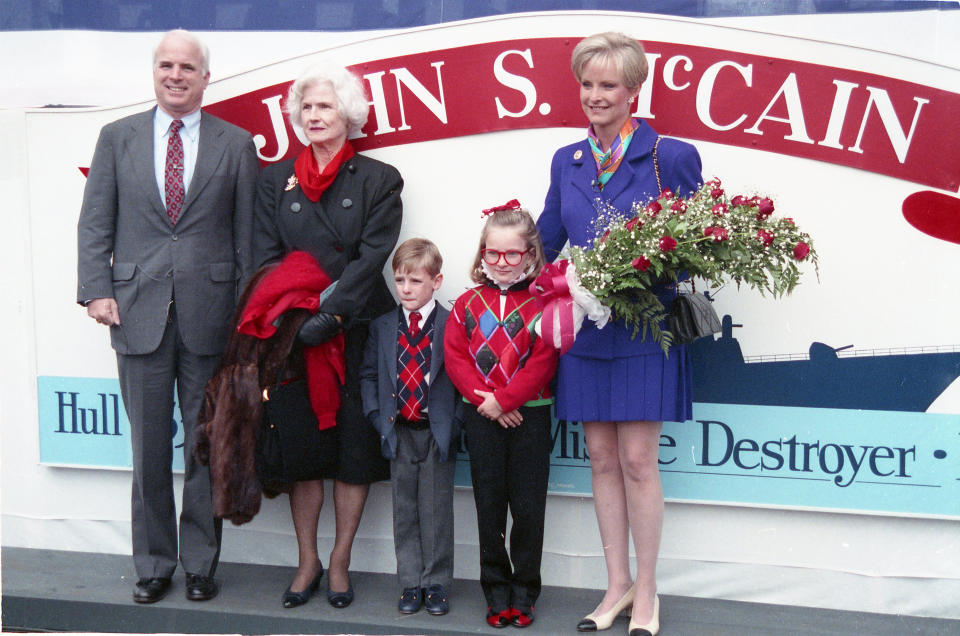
<point x="318" y="328"/>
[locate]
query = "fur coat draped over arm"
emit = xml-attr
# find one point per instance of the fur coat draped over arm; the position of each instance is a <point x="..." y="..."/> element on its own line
<point x="262" y="348"/>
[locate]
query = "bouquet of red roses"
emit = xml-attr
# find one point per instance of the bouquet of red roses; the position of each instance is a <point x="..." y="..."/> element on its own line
<point x="708" y="235"/>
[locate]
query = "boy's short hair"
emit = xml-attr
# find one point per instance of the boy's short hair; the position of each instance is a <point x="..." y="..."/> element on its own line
<point x="415" y="253"/>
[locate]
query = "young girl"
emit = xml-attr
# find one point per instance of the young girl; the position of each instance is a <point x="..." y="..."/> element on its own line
<point x="501" y="366"/>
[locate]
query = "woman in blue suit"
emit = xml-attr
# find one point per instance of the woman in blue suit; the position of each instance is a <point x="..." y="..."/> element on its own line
<point x="620" y="388"/>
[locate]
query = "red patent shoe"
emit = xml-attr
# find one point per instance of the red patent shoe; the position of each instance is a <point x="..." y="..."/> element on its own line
<point x="498" y="619"/>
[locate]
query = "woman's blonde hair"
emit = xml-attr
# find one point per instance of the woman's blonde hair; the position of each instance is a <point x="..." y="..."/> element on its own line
<point x="527" y="228"/>
<point x="625" y="52"/>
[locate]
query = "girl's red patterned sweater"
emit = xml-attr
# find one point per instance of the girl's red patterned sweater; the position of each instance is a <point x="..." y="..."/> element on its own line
<point x="490" y="349"/>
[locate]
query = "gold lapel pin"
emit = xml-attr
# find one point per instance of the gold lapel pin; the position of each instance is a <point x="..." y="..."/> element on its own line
<point x="578" y="154"/>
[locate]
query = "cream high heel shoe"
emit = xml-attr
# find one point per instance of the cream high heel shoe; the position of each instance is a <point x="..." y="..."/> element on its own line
<point x="651" y="628"/>
<point x="594" y="622"/>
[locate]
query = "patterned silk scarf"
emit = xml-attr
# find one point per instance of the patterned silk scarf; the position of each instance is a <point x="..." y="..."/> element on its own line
<point x="608" y="162"/>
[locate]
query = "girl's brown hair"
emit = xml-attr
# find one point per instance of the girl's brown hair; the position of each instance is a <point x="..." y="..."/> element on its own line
<point x="525" y="225"/>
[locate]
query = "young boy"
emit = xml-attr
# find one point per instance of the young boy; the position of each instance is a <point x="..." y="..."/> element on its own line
<point x="411" y="402"/>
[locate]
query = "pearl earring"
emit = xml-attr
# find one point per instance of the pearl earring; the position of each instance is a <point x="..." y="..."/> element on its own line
<point x="630" y="101"/>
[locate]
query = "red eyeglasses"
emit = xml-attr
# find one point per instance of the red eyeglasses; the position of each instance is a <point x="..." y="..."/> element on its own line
<point x="512" y="257"/>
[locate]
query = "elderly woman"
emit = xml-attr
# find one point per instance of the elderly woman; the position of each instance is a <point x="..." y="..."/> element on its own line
<point x="344" y="209"/>
<point x="619" y="387"/>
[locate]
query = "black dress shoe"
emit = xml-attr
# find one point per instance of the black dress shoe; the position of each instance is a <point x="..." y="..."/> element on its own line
<point x="296" y="599"/>
<point x="436" y="601"/>
<point x="341" y="599"/>
<point x="201" y="588"/>
<point x="411" y="600"/>
<point x="151" y="590"/>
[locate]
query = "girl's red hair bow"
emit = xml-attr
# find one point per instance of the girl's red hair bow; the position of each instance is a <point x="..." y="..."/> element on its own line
<point x="512" y="204"/>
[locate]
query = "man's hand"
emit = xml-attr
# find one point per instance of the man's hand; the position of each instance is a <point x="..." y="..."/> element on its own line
<point x="104" y="311"/>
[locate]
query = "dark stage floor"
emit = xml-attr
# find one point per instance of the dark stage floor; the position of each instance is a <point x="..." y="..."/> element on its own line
<point x="45" y="590"/>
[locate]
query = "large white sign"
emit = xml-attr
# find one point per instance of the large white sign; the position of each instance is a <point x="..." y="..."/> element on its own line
<point x="833" y="386"/>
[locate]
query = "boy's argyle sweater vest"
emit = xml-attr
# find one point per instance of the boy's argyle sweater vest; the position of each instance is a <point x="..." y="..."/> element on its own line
<point x="413" y="365"/>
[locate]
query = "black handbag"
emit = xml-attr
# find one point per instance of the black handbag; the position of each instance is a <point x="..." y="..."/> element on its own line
<point x="692" y="316"/>
<point x="289" y="444"/>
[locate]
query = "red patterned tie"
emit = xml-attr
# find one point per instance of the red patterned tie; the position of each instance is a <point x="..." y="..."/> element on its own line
<point x="414" y="323"/>
<point x="173" y="172"/>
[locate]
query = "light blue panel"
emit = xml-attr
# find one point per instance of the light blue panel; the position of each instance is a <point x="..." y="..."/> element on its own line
<point x="834" y="459"/>
<point x="844" y="459"/>
<point x="83" y="423"/>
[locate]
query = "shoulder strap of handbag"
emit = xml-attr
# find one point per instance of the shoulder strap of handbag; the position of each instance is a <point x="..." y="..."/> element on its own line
<point x="656" y="165"/>
<point x="656" y="171"/>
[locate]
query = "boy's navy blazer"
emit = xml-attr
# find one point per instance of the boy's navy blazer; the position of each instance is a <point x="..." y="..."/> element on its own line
<point x="378" y="385"/>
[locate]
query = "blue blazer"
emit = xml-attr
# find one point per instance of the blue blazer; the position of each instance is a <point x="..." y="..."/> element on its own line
<point x="570" y="209"/>
<point x="378" y="385"/>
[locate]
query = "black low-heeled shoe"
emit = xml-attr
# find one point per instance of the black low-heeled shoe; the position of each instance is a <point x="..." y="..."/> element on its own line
<point x="296" y="599"/>
<point x="341" y="599"/>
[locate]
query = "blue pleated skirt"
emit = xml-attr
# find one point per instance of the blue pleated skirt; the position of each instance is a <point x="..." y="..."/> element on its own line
<point x="641" y="387"/>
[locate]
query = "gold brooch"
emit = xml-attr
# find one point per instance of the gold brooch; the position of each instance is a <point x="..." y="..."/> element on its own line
<point x="578" y="154"/>
<point x="291" y="183"/>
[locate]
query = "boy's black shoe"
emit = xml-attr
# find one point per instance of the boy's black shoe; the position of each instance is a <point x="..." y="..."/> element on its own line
<point x="436" y="600"/>
<point x="411" y="600"/>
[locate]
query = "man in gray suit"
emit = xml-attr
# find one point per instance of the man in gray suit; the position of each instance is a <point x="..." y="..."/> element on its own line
<point x="164" y="240"/>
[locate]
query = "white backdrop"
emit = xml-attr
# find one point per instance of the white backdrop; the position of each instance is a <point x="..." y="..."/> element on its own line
<point x="872" y="563"/>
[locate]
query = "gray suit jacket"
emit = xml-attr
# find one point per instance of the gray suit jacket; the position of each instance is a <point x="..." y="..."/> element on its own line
<point x="128" y="250"/>
<point x="378" y="386"/>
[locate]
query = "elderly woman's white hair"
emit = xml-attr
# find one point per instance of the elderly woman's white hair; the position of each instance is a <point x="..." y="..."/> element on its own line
<point x="352" y="101"/>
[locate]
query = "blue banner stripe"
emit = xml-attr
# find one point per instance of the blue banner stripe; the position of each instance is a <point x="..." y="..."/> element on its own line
<point x="360" y="15"/>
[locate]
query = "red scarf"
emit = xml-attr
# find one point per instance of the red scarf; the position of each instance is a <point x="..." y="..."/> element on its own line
<point x="296" y="283"/>
<point x="312" y="181"/>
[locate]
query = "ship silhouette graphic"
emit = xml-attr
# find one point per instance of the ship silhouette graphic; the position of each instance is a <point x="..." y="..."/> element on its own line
<point x="840" y="378"/>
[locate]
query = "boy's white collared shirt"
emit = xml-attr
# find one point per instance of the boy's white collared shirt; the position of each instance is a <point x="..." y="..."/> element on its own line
<point x="425" y="312"/>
